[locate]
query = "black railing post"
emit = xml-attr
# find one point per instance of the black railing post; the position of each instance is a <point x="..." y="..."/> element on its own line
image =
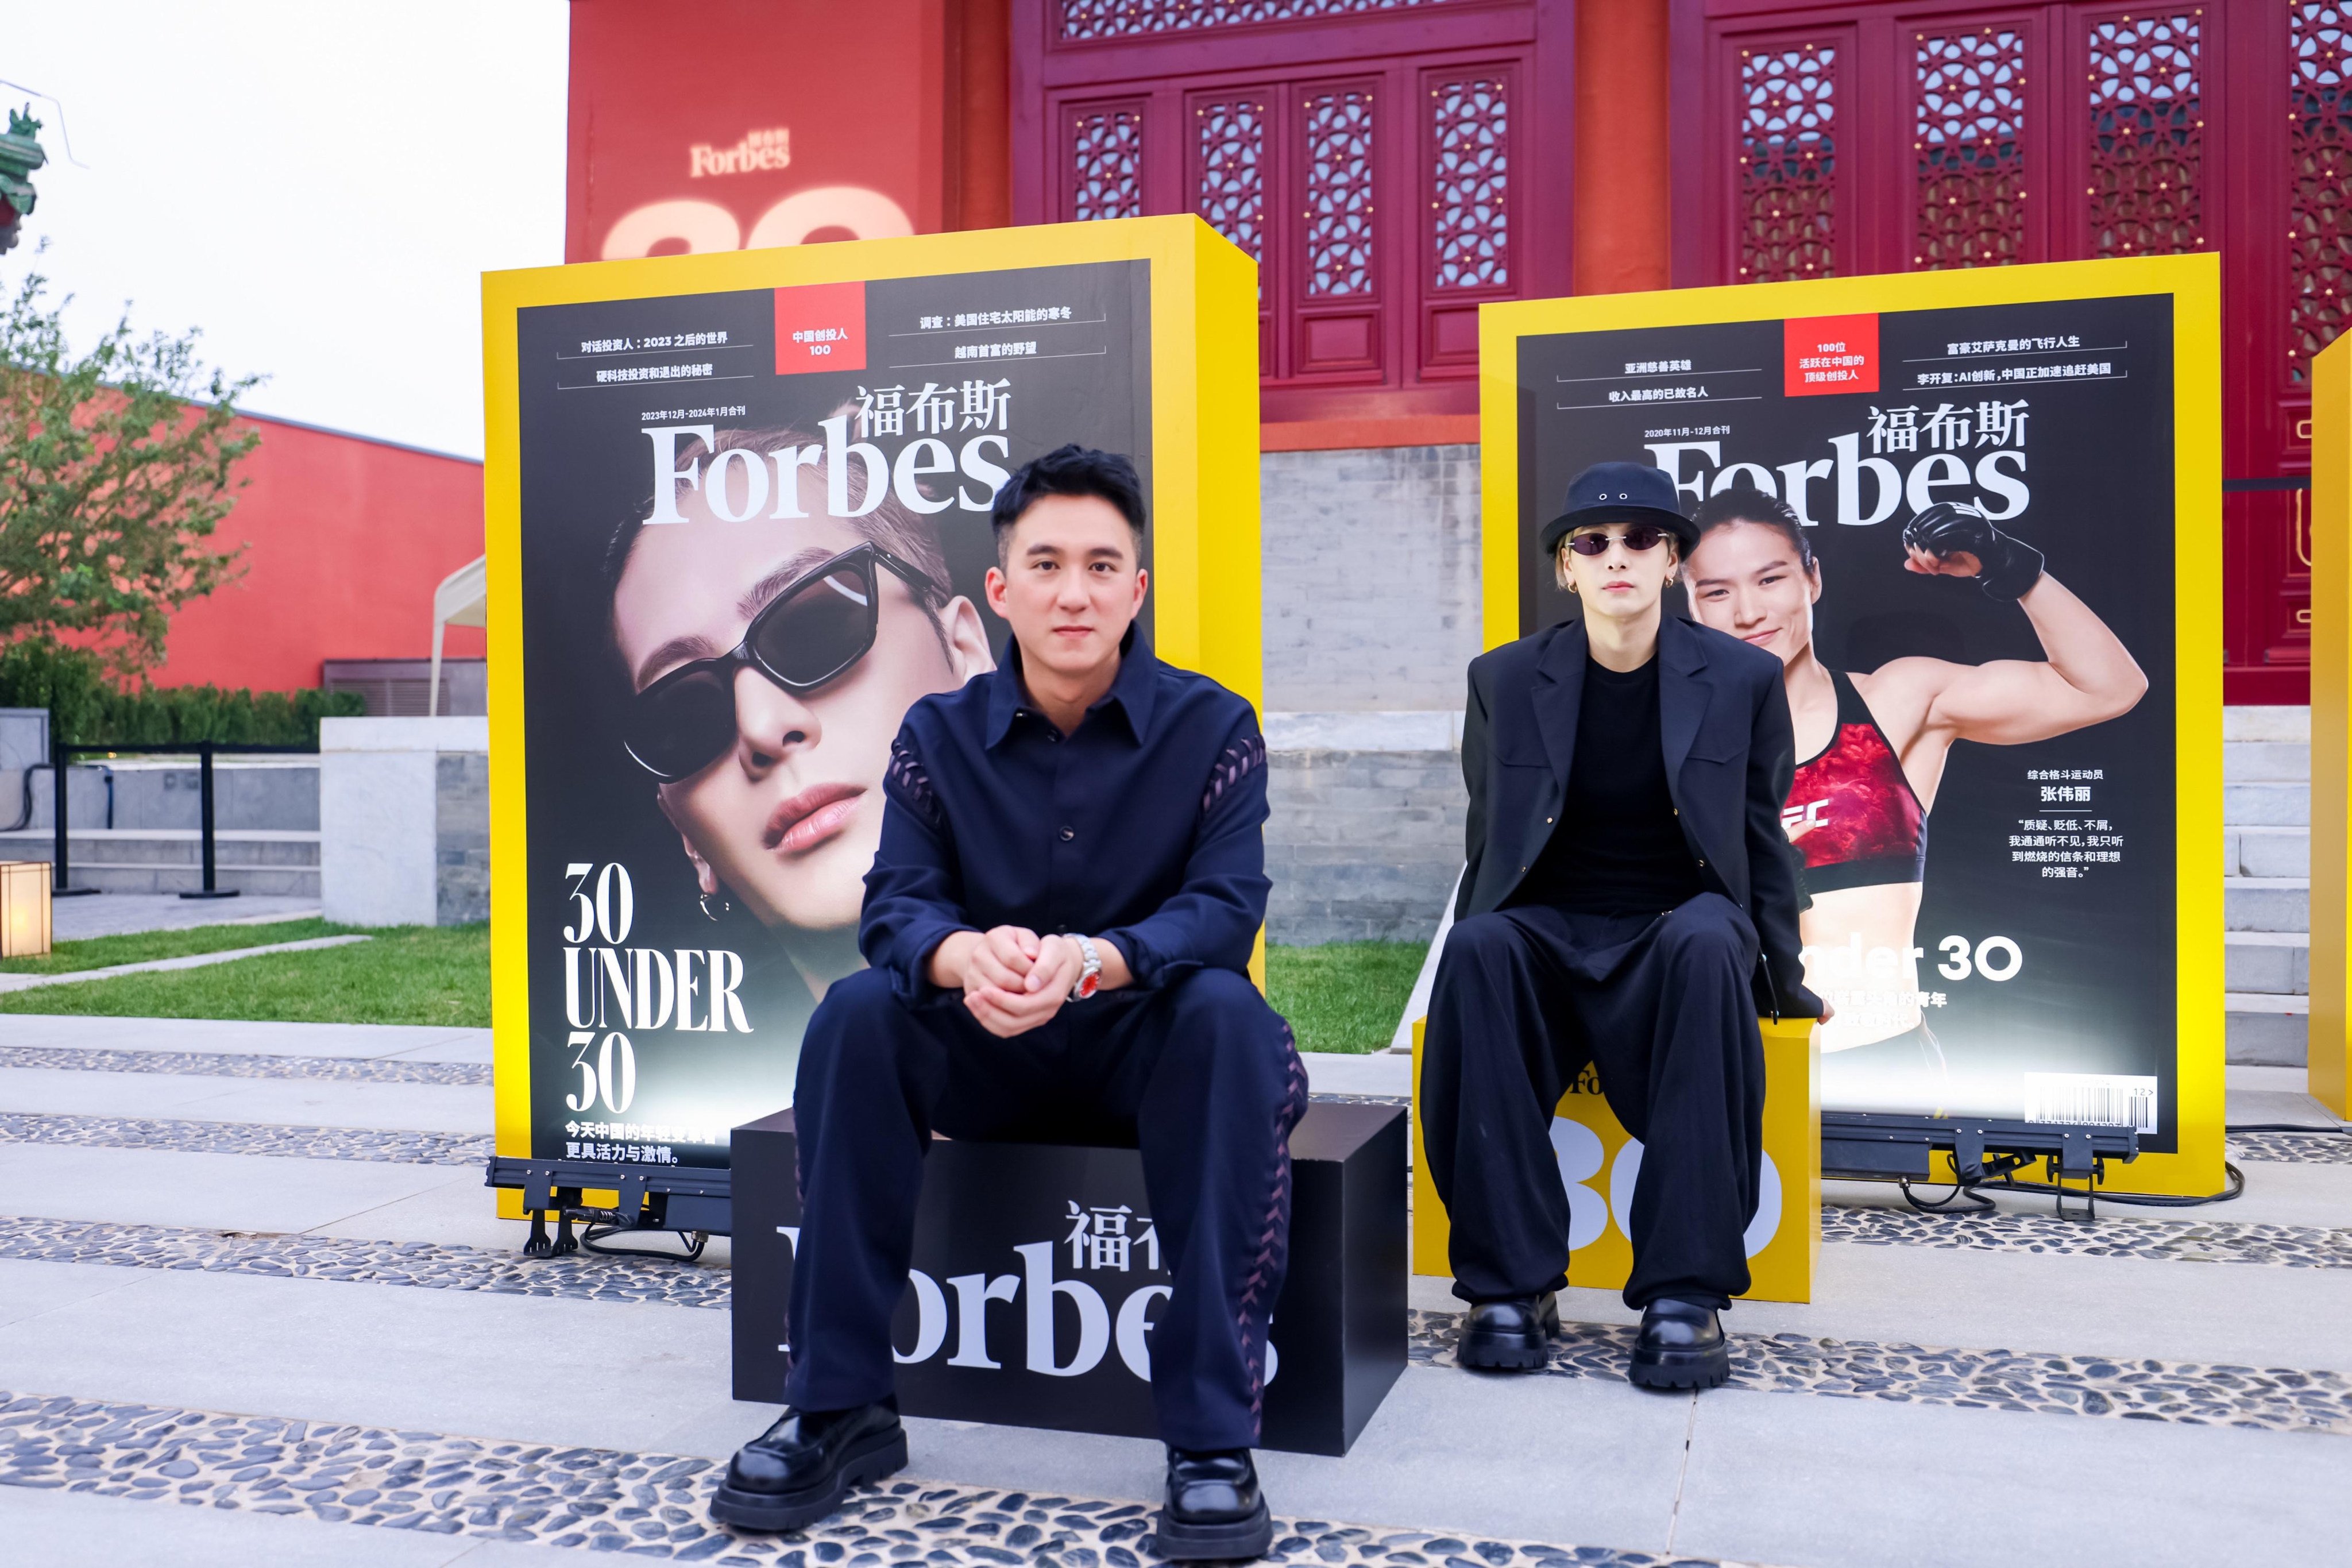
<point x="61" y="884"/>
<point x="205" y="809"/>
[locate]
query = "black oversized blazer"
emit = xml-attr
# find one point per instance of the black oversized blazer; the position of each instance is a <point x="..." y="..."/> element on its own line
<point x="1730" y="755"/>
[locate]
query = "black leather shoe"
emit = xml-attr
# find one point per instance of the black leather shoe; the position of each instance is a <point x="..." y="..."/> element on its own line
<point x="796" y="1471"/>
<point x="1682" y="1346"/>
<point x="1215" y="1508"/>
<point x="1512" y="1335"/>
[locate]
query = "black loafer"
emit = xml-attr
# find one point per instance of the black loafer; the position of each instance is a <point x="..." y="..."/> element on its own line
<point x="1215" y="1508"/>
<point x="1682" y="1346"/>
<point x="1512" y="1335"/>
<point x="796" y="1471"/>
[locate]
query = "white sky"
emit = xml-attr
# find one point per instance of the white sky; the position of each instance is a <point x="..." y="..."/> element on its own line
<point x="317" y="184"/>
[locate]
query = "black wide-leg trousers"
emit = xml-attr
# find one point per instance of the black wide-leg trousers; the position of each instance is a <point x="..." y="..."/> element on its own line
<point x="1660" y="1005"/>
<point x="1201" y="1074"/>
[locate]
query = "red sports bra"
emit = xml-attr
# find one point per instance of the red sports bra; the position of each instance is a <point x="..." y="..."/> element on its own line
<point x="1866" y="827"/>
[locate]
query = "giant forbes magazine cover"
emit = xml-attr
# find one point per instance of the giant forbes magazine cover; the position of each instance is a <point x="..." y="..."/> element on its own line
<point x="755" y="532"/>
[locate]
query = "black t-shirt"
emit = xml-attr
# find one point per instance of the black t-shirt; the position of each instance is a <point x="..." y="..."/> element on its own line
<point x="1617" y="847"/>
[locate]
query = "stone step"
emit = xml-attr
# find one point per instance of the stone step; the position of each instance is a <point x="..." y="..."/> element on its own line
<point x="2266" y="805"/>
<point x="2267" y="1038"/>
<point x="2265" y="762"/>
<point x="2266" y="903"/>
<point x="2266" y="723"/>
<point x="2266" y="852"/>
<point x="2271" y="963"/>
<point x="136" y="877"/>
<point x="168" y="847"/>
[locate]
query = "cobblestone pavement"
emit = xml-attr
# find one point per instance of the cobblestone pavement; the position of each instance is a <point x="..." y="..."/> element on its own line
<point x="368" y="1145"/>
<point x="427" y="1265"/>
<point x="2314" y="1148"/>
<point x="649" y="1505"/>
<point x="2270" y="1399"/>
<point x="222" y="1064"/>
<point x="2184" y="1241"/>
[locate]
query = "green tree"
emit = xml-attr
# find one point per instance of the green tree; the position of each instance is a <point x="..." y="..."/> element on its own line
<point x="116" y="468"/>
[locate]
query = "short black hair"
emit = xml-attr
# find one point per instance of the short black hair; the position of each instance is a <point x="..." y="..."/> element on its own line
<point x="1069" y="471"/>
<point x="1745" y="503"/>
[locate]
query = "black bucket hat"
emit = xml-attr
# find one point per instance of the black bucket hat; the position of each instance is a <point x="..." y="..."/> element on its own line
<point x="1620" y="493"/>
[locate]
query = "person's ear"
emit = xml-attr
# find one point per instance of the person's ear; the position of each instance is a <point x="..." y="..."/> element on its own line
<point x="1813" y="576"/>
<point x="1142" y="586"/>
<point x="967" y="640"/>
<point x="995" y="589"/>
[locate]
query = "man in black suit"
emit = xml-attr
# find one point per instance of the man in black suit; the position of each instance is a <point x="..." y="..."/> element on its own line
<point x="1631" y="904"/>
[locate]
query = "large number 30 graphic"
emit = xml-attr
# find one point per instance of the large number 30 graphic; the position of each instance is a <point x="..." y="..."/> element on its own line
<point x="1581" y="1154"/>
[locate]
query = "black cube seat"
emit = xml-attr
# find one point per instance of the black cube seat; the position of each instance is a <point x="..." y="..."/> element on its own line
<point x="1037" y="1275"/>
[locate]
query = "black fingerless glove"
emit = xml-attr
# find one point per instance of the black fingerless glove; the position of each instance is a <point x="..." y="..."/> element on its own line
<point x="2007" y="567"/>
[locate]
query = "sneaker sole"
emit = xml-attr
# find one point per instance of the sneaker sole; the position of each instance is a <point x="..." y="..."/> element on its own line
<point x="1233" y="1541"/>
<point x="880" y="1457"/>
<point x="1710" y="1370"/>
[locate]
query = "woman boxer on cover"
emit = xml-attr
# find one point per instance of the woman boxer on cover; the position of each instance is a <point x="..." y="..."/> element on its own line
<point x="1872" y="746"/>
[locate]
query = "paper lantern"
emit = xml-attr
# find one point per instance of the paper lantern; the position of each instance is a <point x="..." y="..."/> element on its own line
<point x="23" y="909"/>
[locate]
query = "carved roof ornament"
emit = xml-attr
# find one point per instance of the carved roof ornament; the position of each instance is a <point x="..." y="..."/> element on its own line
<point x="20" y="154"/>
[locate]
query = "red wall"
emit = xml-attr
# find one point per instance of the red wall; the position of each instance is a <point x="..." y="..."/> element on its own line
<point x="346" y="539"/>
<point x="856" y="95"/>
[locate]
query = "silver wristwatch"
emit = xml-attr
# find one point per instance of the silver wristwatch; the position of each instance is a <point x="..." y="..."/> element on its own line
<point x="1090" y="972"/>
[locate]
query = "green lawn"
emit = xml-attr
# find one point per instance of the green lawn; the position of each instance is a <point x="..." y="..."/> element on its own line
<point x="1345" y="995"/>
<point x="139" y="947"/>
<point x="407" y="974"/>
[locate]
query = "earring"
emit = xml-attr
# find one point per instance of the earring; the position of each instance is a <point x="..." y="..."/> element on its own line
<point x="726" y="907"/>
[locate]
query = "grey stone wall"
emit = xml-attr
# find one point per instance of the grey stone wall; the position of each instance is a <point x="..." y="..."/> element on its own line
<point x="1372" y="609"/>
<point x="1362" y="845"/>
<point x="1372" y="577"/>
<point x="461" y="848"/>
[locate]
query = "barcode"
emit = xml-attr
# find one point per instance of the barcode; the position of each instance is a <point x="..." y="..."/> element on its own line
<point x="2091" y="1100"/>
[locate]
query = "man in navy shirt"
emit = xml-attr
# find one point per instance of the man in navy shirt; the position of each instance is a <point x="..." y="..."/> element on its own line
<point x="1060" y="919"/>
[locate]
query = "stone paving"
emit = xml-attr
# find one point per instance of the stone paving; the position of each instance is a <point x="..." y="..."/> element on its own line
<point x="648" y="1505"/>
<point x="2179" y="1241"/>
<point x="222" y="1063"/>
<point x="2315" y="1148"/>
<point x="2274" y="1399"/>
<point x="368" y="1145"/>
<point x="2277" y="1399"/>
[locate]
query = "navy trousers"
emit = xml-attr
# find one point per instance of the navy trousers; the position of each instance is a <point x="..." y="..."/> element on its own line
<point x="1201" y="1075"/>
<point x="1660" y="1006"/>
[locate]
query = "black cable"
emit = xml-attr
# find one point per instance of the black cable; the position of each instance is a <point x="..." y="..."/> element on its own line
<point x="694" y="1242"/>
<point x="1952" y="1203"/>
<point x="2289" y="1127"/>
<point x="2135" y="1200"/>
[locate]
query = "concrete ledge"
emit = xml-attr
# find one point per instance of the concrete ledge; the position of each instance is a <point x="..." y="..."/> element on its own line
<point x="1406" y="731"/>
<point x="447" y="733"/>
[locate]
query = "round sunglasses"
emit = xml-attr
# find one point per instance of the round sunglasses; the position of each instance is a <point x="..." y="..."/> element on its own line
<point x="1637" y="536"/>
<point x="810" y="633"/>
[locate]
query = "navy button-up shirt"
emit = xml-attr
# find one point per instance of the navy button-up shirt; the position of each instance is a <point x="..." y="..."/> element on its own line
<point x="1145" y="824"/>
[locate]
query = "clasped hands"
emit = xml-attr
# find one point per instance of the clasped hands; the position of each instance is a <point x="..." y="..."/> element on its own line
<point x="1014" y="979"/>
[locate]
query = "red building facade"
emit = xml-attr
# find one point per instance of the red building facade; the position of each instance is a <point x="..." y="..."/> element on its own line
<point x="1394" y="163"/>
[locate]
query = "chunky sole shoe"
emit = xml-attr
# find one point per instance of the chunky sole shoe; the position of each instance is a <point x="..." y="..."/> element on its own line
<point x="1671" y="1369"/>
<point x="1483" y="1348"/>
<point x="1227" y="1539"/>
<point x="883" y="1454"/>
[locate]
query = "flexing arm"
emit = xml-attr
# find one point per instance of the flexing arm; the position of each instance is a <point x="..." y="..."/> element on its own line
<point x="2089" y="678"/>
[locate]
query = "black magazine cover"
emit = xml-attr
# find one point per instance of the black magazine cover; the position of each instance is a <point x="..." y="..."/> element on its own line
<point x="1985" y="796"/>
<point x="754" y="531"/>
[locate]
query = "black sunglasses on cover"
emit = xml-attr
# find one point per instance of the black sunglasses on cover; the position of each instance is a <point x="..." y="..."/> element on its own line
<point x="1637" y="536"/>
<point x="810" y="633"/>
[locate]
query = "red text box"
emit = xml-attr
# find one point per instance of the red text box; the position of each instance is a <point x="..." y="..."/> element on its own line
<point x="821" y="326"/>
<point x="1830" y="353"/>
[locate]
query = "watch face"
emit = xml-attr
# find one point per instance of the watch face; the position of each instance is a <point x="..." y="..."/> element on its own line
<point x="1088" y="986"/>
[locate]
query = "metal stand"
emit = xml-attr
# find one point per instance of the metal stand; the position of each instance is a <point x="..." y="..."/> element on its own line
<point x="205" y="809"/>
<point x="60" y="885"/>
